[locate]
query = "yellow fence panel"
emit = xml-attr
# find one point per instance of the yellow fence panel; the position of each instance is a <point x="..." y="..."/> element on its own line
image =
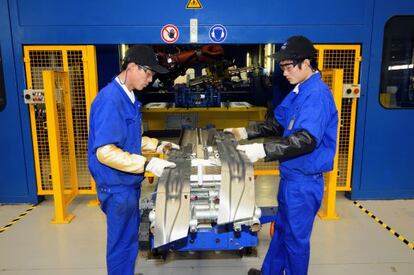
<point x="80" y="63"/>
<point x="348" y="58"/>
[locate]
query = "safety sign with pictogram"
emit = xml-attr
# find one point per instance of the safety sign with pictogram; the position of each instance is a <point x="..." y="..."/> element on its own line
<point x="170" y="33"/>
<point x="193" y="4"/>
<point x="217" y="33"/>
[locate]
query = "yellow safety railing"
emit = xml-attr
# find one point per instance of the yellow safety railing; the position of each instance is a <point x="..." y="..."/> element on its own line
<point x="62" y="144"/>
<point x="334" y="79"/>
<point x="348" y="58"/>
<point x="80" y="64"/>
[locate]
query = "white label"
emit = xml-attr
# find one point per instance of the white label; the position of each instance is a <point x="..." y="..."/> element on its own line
<point x="193" y="30"/>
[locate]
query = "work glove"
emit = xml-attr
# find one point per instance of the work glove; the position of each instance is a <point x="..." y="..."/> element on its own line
<point x="157" y="166"/>
<point x="253" y="151"/>
<point x="239" y="133"/>
<point x="165" y="147"/>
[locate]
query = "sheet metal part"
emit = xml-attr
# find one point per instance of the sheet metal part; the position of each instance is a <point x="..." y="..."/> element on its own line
<point x="213" y="183"/>
<point x="237" y="197"/>
<point x="173" y="201"/>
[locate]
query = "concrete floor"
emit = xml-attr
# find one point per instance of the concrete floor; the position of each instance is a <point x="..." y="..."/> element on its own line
<point x="355" y="244"/>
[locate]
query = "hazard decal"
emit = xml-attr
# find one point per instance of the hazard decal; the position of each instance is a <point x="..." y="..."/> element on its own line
<point x="193" y="4"/>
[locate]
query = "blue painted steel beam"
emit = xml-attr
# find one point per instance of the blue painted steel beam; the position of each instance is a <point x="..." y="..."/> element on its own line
<point x="17" y="183"/>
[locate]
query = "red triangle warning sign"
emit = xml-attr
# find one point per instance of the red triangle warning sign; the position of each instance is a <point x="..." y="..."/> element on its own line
<point x="194" y="4"/>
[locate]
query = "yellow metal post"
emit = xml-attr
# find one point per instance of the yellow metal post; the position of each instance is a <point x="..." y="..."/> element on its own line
<point x="91" y="89"/>
<point x="328" y="210"/>
<point x="61" y="216"/>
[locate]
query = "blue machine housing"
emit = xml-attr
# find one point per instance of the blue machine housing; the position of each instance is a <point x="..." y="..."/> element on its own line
<point x="383" y="152"/>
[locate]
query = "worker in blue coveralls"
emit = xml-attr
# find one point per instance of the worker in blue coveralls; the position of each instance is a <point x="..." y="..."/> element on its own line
<point x="306" y="123"/>
<point x="114" y="155"/>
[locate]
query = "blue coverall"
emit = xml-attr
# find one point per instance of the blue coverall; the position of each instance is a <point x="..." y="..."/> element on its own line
<point x="311" y="108"/>
<point x="114" y="119"/>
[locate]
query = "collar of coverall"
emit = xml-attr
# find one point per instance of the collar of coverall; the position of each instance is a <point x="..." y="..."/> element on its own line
<point x="296" y="89"/>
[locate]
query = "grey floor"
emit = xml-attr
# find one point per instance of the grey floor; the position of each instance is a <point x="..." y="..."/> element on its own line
<point x="355" y="244"/>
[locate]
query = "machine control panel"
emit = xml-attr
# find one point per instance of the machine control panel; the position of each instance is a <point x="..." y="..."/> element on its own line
<point x="34" y="96"/>
<point x="351" y="90"/>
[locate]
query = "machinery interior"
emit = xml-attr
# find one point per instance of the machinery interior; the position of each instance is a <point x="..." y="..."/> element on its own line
<point x="210" y="194"/>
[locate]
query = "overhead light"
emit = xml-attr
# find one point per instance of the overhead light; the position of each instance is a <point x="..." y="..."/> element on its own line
<point x="248" y="60"/>
<point x="269" y="61"/>
<point x="123" y="50"/>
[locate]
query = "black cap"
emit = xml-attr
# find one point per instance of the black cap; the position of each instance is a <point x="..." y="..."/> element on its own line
<point x="296" y="48"/>
<point x="145" y="56"/>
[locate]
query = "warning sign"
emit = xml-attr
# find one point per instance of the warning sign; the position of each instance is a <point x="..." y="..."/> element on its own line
<point x="170" y="33"/>
<point x="194" y="4"/>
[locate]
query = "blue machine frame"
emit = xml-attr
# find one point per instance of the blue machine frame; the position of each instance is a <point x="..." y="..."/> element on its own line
<point x="217" y="238"/>
<point x="25" y="22"/>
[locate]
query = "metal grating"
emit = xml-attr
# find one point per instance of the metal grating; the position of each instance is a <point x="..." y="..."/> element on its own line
<point x="346" y="58"/>
<point x="59" y="58"/>
<point x="327" y="78"/>
<point x="344" y="173"/>
<point x="340" y="59"/>
<point x="79" y="117"/>
<point x="40" y="61"/>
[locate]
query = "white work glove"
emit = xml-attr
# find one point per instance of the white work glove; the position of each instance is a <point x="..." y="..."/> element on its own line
<point x="253" y="151"/>
<point x="239" y="133"/>
<point x="165" y="147"/>
<point x="157" y="166"/>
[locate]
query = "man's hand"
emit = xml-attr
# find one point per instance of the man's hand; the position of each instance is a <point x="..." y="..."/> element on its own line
<point x="157" y="166"/>
<point x="165" y="147"/>
<point x="253" y="151"/>
<point x="239" y="133"/>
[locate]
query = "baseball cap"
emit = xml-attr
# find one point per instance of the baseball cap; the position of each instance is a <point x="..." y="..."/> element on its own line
<point x="145" y="56"/>
<point x="296" y="47"/>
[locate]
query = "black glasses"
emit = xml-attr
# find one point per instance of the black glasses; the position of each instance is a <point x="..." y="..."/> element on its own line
<point x="288" y="66"/>
<point x="147" y="70"/>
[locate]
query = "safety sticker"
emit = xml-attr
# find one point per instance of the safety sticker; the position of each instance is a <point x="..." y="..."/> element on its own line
<point x="218" y="33"/>
<point x="7" y="226"/>
<point x="170" y="33"/>
<point x="193" y="4"/>
<point x="400" y="237"/>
